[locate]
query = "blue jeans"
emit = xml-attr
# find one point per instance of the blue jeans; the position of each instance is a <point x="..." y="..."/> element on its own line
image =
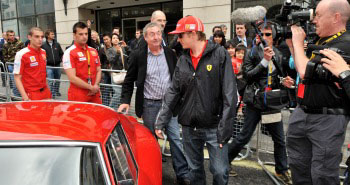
<point x="115" y="102"/>
<point x="149" y="116"/>
<point x="12" y="81"/>
<point x="194" y="141"/>
<point x="176" y="149"/>
<point x="251" y="119"/>
<point x="54" y="73"/>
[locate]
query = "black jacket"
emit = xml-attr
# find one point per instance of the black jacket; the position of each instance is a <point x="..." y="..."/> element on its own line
<point x="137" y="73"/>
<point x="205" y="97"/>
<point x="53" y="54"/>
<point x="254" y="71"/>
<point x="115" y="60"/>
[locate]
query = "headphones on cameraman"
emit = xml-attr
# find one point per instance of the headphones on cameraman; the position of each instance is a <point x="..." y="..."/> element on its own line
<point x="270" y="24"/>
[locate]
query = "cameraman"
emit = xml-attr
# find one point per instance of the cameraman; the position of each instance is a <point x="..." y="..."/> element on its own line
<point x="317" y="126"/>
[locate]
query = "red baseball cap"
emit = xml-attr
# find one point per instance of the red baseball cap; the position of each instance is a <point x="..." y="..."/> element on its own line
<point x="188" y="24"/>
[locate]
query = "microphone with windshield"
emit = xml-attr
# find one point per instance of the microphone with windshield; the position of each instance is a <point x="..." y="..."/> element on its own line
<point x="250" y="15"/>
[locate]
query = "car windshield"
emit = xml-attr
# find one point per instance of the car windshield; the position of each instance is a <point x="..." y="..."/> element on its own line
<point x="50" y="166"/>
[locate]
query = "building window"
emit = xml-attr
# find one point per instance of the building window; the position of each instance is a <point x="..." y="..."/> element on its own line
<point x="8" y="9"/>
<point x="30" y="13"/>
<point x="10" y="25"/>
<point x="44" y="6"/>
<point x="25" y="8"/>
<point x="47" y="21"/>
<point x="25" y="24"/>
<point x="109" y="19"/>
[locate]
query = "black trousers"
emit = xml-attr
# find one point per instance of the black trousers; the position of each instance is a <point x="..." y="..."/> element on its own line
<point x="251" y="119"/>
<point x="314" y="144"/>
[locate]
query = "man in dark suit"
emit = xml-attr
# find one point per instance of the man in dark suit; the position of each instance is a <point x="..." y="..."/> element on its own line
<point x="241" y="35"/>
<point x="152" y="66"/>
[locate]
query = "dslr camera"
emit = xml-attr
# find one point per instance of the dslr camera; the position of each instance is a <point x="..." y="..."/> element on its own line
<point x="293" y="13"/>
<point x="315" y="69"/>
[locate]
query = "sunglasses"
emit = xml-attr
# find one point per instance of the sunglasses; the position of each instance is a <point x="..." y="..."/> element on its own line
<point x="267" y="34"/>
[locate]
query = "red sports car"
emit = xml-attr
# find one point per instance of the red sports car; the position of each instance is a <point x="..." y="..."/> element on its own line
<point x="70" y="143"/>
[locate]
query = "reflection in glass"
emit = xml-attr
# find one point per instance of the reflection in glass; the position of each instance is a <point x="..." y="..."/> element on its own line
<point x="47" y="21"/>
<point x="109" y="19"/>
<point x="25" y="7"/>
<point x="50" y="166"/>
<point x="44" y="6"/>
<point x="8" y="9"/>
<point x="24" y="25"/>
<point x="10" y="25"/>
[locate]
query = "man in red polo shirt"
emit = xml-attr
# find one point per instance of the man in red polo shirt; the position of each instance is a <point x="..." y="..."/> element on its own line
<point x="82" y="66"/>
<point x="30" y="68"/>
<point x="204" y="94"/>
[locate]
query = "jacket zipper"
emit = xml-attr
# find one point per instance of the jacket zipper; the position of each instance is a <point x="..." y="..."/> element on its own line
<point x="53" y="56"/>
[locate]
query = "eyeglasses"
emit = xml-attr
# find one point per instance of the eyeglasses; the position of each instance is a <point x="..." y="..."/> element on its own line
<point x="267" y="34"/>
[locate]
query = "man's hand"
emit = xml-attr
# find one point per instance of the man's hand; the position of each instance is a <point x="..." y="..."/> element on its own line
<point x="159" y="133"/>
<point x="268" y="53"/>
<point x="93" y="90"/>
<point x="88" y="23"/>
<point x="220" y="145"/>
<point x="122" y="107"/>
<point x="334" y="62"/>
<point x="25" y="98"/>
<point x="299" y="36"/>
<point x="288" y="82"/>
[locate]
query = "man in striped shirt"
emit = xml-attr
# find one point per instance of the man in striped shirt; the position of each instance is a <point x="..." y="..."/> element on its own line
<point x="152" y="67"/>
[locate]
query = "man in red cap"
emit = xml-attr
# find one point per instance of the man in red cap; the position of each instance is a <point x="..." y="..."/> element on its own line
<point x="30" y="68"/>
<point x="204" y="96"/>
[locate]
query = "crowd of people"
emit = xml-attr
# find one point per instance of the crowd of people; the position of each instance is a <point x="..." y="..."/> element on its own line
<point x="202" y="85"/>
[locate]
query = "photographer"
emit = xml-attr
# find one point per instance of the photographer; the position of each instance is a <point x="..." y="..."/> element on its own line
<point x="261" y="74"/>
<point x="317" y="126"/>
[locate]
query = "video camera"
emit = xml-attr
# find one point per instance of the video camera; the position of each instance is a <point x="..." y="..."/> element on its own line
<point x="315" y="69"/>
<point x="293" y="13"/>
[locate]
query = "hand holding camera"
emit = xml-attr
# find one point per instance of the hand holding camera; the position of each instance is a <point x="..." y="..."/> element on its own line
<point x="334" y="62"/>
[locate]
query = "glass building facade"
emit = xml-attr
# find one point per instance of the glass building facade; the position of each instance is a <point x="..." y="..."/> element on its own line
<point x="21" y="15"/>
<point x="136" y="17"/>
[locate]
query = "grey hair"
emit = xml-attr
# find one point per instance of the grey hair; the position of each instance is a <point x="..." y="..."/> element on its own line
<point x="150" y="25"/>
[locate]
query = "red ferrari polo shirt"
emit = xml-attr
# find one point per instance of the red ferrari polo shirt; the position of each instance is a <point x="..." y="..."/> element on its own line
<point x="80" y="59"/>
<point x="195" y="60"/>
<point x="31" y="64"/>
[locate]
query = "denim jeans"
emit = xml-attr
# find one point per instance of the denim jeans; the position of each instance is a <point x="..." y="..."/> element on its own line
<point x="194" y="140"/>
<point x="54" y="73"/>
<point x="106" y="91"/>
<point x="251" y="119"/>
<point x="176" y="149"/>
<point x="12" y="81"/>
<point x="115" y="102"/>
<point x="149" y="115"/>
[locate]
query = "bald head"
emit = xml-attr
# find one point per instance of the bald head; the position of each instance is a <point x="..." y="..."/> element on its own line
<point x="160" y="18"/>
<point x="338" y="6"/>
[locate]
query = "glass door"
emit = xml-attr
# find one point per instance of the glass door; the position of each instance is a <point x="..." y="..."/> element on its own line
<point x="131" y="24"/>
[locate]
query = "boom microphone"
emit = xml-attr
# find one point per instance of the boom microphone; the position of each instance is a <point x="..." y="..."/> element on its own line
<point x="247" y="15"/>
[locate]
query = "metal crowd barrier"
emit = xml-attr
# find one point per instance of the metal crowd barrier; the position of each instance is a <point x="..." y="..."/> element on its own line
<point x="265" y="149"/>
<point x="110" y="93"/>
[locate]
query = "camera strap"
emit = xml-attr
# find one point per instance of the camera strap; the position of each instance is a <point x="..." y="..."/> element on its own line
<point x="327" y="41"/>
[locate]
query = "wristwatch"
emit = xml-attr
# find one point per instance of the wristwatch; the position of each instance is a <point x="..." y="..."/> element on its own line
<point x="344" y="74"/>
